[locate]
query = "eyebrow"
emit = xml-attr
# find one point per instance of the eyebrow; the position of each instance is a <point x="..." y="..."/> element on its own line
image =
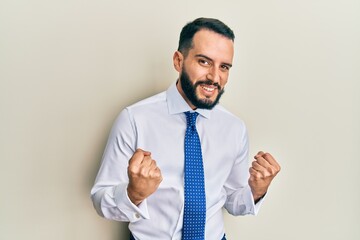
<point x="206" y="57"/>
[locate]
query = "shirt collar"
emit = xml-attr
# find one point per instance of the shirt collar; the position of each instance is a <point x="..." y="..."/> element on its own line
<point x="177" y="104"/>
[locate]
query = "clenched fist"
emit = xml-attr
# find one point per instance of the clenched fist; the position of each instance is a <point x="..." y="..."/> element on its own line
<point x="262" y="172"/>
<point x="144" y="176"/>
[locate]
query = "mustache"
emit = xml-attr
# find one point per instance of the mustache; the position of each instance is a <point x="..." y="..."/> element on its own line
<point x="208" y="82"/>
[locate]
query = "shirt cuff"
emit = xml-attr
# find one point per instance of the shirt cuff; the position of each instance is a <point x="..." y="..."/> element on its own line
<point x="134" y="213"/>
<point x="250" y="202"/>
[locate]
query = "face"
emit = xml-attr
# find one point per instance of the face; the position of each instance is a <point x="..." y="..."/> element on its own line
<point x="190" y="91"/>
<point x="204" y="72"/>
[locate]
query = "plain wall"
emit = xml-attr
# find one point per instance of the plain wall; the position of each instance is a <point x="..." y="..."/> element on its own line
<point x="67" y="68"/>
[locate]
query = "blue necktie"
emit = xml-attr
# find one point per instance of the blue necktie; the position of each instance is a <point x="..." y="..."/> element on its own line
<point x="194" y="186"/>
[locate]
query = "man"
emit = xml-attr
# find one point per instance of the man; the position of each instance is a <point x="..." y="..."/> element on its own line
<point x="146" y="161"/>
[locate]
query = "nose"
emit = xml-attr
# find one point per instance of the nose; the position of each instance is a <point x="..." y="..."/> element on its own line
<point x="214" y="75"/>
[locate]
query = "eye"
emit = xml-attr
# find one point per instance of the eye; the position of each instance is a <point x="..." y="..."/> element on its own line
<point x="225" y="67"/>
<point x="204" y="62"/>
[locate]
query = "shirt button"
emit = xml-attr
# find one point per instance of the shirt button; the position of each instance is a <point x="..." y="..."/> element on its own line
<point x="137" y="215"/>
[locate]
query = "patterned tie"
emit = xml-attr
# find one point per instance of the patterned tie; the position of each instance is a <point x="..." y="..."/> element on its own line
<point x="195" y="202"/>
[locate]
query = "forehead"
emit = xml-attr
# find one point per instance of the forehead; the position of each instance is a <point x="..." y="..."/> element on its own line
<point x="212" y="45"/>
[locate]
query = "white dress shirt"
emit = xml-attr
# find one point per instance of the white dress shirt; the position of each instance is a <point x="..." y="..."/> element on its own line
<point x="157" y="124"/>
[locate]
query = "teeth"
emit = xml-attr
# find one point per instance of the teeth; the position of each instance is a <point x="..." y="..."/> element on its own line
<point x="208" y="89"/>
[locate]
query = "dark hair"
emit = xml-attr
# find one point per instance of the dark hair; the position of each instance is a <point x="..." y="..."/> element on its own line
<point x="189" y="30"/>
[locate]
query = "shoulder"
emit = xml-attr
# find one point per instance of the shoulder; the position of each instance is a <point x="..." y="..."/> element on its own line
<point x="148" y="105"/>
<point x="141" y="110"/>
<point x="155" y="99"/>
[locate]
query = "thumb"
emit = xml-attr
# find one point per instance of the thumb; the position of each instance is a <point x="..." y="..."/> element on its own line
<point x="144" y="152"/>
<point x="138" y="156"/>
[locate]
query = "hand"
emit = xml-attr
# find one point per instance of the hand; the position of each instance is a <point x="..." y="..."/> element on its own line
<point x="262" y="172"/>
<point x="144" y="176"/>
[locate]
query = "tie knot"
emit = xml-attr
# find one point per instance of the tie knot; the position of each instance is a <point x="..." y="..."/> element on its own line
<point x="191" y="118"/>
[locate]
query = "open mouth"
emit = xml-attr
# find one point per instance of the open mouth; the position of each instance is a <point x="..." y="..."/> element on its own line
<point x="208" y="90"/>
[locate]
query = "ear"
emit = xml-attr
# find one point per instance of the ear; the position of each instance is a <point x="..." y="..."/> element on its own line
<point x="178" y="60"/>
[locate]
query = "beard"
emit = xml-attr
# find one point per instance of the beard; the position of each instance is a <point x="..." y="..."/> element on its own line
<point x="190" y="91"/>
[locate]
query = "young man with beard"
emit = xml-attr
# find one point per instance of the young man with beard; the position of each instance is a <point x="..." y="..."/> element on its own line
<point x="141" y="179"/>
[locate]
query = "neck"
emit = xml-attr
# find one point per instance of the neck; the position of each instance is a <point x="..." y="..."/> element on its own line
<point x="179" y="88"/>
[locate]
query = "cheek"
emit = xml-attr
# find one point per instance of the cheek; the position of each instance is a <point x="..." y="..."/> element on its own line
<point x="224" y="80"/>
<point x="197" y="73"/>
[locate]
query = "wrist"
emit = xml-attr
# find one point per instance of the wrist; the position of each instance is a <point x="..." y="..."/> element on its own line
<point x="133" y="197"/>
<point x="257" y="198"/>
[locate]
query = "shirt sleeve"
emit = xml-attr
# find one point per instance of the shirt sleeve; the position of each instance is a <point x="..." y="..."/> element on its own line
<point x="109" y="193"/>
<point x="240" y="200"/>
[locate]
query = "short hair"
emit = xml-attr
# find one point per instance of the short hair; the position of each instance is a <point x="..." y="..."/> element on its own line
<point x="189" y="30"/>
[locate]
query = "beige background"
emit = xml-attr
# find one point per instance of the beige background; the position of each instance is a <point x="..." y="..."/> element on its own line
<point x="67" y="68"/>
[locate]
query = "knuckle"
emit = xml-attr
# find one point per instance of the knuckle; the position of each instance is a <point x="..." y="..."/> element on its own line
<point x="158" y="174"/>
<point x="144" y="172"/>
<point x="131" y="169"/>
<point x="256" y="175"/>
<point x="271" y="170"/>
<point x="158" y="177"/>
